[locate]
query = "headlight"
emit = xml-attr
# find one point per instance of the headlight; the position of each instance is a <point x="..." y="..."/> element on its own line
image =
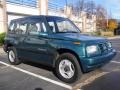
<point x="91" y="49"/>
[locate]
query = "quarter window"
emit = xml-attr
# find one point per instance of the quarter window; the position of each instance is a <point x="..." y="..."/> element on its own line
<point x="11" y="28"/>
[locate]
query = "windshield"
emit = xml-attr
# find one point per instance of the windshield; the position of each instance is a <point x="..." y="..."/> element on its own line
<point x="62" y="25"/>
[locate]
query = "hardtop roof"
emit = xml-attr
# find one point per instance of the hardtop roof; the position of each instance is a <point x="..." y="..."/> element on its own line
<point x="35" y="16"/>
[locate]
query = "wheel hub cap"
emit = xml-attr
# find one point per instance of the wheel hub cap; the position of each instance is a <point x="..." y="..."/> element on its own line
<point x="11" y="56"/>
<point x="66" y="69"/>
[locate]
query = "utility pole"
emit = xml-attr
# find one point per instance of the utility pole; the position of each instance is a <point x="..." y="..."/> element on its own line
<point x="110" y="14"/>
<point x="107" y="17"/>
<point x="66" y="5"/>
<point x="72" y="4"/>
<point x="82" y="5"/>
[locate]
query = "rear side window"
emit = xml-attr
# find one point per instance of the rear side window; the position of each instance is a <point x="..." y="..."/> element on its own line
<point x="17" y="28"/>
<point x="21" y="28"/>
<point x="36" y="28"/>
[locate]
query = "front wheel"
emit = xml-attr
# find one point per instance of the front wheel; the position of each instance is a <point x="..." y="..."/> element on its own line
<point x="12" y="56"/>
<point x="68" y="68"/>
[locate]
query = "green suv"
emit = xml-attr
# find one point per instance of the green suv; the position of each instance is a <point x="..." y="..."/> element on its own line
<point x="58" y="43"/>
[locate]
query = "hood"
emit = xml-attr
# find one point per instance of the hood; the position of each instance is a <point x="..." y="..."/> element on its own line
<point x="76" y="36"/>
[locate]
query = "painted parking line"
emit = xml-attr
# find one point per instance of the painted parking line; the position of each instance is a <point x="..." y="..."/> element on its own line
<point x="118" y="51"/>
<point x="115" y="62"/>
<point x="116" y="45"/>
<point x="38" y="76"/>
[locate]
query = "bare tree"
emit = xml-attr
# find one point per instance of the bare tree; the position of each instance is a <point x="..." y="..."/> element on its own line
<point x="90" y="7"/>
<point x="79" y="7"/>
<point x="101" y="17"/>
<point x="101" y="12"/>
<point x="85" y="5"/>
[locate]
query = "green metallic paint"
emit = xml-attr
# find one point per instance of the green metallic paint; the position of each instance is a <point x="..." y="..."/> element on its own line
<point x="43" y="48"/>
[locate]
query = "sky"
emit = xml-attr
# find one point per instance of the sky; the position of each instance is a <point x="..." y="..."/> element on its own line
<point x="112" y="6"/>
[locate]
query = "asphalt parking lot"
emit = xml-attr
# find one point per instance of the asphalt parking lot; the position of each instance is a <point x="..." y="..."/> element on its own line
<point x="31" y="76"/>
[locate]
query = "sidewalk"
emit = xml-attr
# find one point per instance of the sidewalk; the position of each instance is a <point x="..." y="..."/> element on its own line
<point x="115" y="37"/>
<point x="2" y="51"/>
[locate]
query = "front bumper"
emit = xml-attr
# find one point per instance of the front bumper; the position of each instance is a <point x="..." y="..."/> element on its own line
<point x="95" y="62"/>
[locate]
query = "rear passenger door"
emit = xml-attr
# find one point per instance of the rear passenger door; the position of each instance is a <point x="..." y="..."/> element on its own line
<point x="36" y="43"/>
<point x="17" y="33"/>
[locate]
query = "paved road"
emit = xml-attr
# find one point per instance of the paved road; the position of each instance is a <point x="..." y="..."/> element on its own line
<point x="11" y="78"/>
<point x="29" y="76"/>
<point x="111" y="79"/>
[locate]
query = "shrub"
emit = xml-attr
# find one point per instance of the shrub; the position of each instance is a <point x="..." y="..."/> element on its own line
<point x="112" y="24"/>
<point x="96" y="33"/>
<point x="2" y="36"/>
<point x="107" y="33"/>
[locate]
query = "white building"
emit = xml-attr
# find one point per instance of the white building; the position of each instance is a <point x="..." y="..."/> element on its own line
<point x="12" y="9"/>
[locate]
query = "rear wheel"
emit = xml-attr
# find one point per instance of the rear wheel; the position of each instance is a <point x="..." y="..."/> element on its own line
<point x="68" y="68"/>
<point x="12" y="56"/>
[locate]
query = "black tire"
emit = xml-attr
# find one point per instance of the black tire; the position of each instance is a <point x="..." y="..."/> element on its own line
<point x="77" y="74"/>
<point x="16" y="61"/>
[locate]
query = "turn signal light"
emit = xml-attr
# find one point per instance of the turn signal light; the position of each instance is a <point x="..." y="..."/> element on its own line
<point x="77" y="43"/>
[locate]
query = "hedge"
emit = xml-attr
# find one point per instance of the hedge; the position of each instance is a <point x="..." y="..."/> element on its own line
<point x="2" y="36"/>
<point x="107" y="33"/>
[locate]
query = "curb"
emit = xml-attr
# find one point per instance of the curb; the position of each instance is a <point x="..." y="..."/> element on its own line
<point x="113" y="38"/>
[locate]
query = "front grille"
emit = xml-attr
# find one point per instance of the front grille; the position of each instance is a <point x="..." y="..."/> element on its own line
<point x="103" y="47"/>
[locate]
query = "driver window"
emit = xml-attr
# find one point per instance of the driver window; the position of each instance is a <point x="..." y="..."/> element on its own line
<point x="61" y="26"/>
<point x="64" y="25"/>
